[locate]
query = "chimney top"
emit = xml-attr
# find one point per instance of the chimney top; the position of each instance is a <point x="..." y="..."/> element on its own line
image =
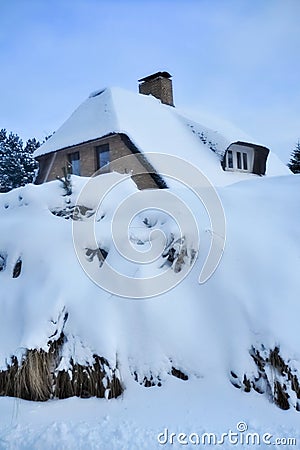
<point x="159" y="85"/>
<point x="156" y="75"/>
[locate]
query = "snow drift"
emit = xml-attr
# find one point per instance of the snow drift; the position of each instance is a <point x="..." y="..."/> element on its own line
<point x="77" y="339"/>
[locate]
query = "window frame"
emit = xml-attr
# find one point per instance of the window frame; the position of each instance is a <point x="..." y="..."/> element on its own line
<point x="238" y="159"/>
<point x="229" y="161"/>
<point x="245" y="161"/>
<point x="74" y="157"/>
<point x="102" y="148"/>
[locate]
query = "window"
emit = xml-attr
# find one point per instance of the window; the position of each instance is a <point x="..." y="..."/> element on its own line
<point x="230" y="159"/>
<point x="245" y="161"/>
<point x="102" y="156"/>
<point x="238" y="160"/>
<point x="74" y="161"/>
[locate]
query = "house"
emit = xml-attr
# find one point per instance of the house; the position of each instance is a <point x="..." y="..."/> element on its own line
<point x="113" y="123"/>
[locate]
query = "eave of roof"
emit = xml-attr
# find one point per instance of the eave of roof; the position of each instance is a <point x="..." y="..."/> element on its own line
<point x="250" y="144"/>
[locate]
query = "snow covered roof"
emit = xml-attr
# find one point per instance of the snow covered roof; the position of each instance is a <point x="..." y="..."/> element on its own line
<point x="152" y="127"/>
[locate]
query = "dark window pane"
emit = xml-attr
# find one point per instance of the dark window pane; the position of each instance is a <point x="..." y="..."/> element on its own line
<point x="74" y="160"/>
<point x="245" y="161"/>
<point x="230" y="160"/>
<point x="104" y="158"/>
<point x="102" y="155"/>
<point x="238" y="160"/>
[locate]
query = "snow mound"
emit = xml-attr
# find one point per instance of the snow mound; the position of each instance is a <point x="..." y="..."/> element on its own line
<point x="237" y="328"/>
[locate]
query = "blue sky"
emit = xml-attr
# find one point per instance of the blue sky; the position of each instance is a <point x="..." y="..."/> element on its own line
<point x="235" y="59"/>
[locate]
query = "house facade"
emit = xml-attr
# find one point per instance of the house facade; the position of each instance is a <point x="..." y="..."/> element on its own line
<point x="99" y="156"/>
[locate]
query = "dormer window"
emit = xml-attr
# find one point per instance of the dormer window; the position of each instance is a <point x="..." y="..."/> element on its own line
<point x="239" y="159"/>
<point x="245" y="157"/>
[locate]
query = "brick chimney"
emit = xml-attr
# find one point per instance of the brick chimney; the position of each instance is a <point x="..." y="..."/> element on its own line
<point x="159" y="85"/>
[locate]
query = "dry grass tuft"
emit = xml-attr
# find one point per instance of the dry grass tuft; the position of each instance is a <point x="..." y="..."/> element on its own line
<point x="275" y="379"/>
<point x="37" y="377"/>
<point x="88" y="381"/>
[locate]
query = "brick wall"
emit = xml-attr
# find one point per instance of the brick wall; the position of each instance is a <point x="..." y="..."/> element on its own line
<point x="160" y="88"/>
<point x="51" y="165"/>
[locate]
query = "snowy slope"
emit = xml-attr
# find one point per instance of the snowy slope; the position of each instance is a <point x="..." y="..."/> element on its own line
<point x="206" y="331"/>
<point x="153" y="127"/>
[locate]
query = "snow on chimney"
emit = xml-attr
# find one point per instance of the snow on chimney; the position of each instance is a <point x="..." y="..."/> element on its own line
<point x="159" y="85"/>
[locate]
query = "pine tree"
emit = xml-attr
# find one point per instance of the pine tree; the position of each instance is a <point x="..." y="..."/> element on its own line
<point x="28" y="162"/>
<point x="17" y="165"/>
<point x="294" y="163"/>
